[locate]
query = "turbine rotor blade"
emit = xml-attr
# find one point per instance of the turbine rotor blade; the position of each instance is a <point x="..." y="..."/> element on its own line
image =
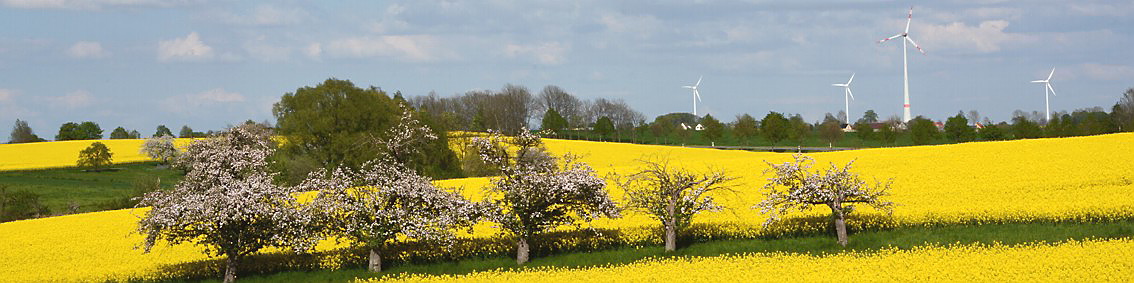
<point x="915" y="45"/>
<point x="1052" y="73"/>
<point x="697" y="94"/>
<point x="889" y="38"/>
<point x="1051" y="89"/>
<point x="851" y="79"/>
<point x="908" y="20"/>
<point x="698" y="81"/>
<point x="839" y="85"/>
<point x="1039" y="81"/>
<point x="850" y="93"/>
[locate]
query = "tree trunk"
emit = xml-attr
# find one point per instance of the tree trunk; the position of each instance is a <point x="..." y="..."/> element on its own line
<point x="522" y="251"/>
<point x="230" y="269"/>
<point x="375" y="264"/>
<point x="840" y="226"/>
<point x="670" y="227"/>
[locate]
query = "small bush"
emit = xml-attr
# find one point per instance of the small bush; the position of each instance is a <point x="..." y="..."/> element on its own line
<point x="20" y="205"/>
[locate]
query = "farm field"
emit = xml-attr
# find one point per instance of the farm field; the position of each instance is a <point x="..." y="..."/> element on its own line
<point x="1082" y="179"/>
<point x="59" y="188"/>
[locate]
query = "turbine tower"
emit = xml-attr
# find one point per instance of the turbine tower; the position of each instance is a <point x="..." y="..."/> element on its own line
<point x="847" y="96"/>
<point x="1047" y="89"/>
<point x="905" y="63"/>
<point x="696" y="94"/>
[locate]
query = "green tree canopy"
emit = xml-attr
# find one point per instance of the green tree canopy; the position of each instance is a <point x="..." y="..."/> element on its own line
<point x="745" y="128"/>
<point x="1022" y="128"/>
<point x="923" y="131"/>
<point x="119" y="133"/>
<point x="957" y="129"/>
<point x="186" y="132"/>
<point x="95" y="157"/>
<point x="604" y="126"/>
<point x="162" y="131"/>
<point x="90" y="131"/>
<point x="713" y="130"/>
<point x="336" y="123"/>
<point x="553" y="121"/>
<point x="774" y="127"/>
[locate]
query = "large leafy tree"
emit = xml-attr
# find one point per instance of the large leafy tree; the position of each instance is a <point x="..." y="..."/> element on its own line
<point x="536" y="192"/>
<point x="795" y="187"/>
<point x="745" y="128"/>
<point x="374" y="205"/>
<point x="333" y="123"/>
<point x="226" y="203"/>
<point x="923" y="131"/>
<point x="95" y="157"/>
<point x="162" y="131"/>
<point x="713" y="129"/>
<point x="957" y="129"/>
<point x="90" y="131"/>
<point x="160" y="148"/>
<point x="672" y="195"/>
<point x="774" y="127"/>
<point x="553" y="121"/>
<point x="604" y="127"/>
<point x="119" y="133"/>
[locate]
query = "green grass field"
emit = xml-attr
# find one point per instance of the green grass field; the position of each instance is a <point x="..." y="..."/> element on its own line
<point x="91" y="191"/>
<point x="1008" y="234"/>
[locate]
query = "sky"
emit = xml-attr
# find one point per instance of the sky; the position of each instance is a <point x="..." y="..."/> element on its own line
<point x="213" y="63"/>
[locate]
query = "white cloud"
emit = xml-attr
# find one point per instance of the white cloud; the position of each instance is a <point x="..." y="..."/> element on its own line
<point x="87" y="49"/>
<point x="1104" y="72"/>
<point x="188" y="48"/>
<point x="548" y="53"/>
<point x="216" y="95"/>
<point x="987" y="37"/>
<point x="6" y="94"/>
<point x="74" y="99"/>
<point x="205" y="100"/>
<point x="407" y="47"/>
<point x="266" y="15"/>
<point x="314" y="49"/>
<point x="88" y="4"/>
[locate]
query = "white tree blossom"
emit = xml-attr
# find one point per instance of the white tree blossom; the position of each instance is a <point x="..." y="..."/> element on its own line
<point x="796" y="187"/>
<point x="673" y="196"/>
<point x="160" y="148"/>
<point x="384" y="199"/>
<point x="535" y="194"/>
<point x="227" y="202"/>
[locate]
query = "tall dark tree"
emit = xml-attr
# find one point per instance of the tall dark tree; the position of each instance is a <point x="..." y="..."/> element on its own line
<point x="68" y="131"/>
<point x="887" y="133"/>
<point x="604" y="127"/>
<point x="798" y="129"/>
<point x="831" y="129"/>
<point x="870" y="117"/>
<point x="774" y="127"/>
<point x="186" y="132"/>
<point x="162" y="131"/>
<point x="1024" y="128"/>
<point x="1123" y="112"/>
<point x="119" y="133"/>
<point x="713" y="129"/>
<point x="553" y="121"/>
<point x="745" y="128"/>
<point x="957" y="129"/>
<point x="90" y="131"/>
<point x="336" y="124"/>
<point x="993" y="132"/>
<point x="923" y="131"/>
<point x="22" y="133"/>
<point x="134" y="134"/>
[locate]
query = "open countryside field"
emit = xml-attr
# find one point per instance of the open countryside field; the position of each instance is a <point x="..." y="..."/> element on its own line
<point x="1046" y="180"/>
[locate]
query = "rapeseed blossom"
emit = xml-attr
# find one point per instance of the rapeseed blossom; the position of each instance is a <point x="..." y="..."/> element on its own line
<point x="1065" y="179"/>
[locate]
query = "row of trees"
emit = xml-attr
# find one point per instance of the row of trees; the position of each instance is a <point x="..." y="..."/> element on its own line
<point x="964" y="127"/>
<point x="514" y="107"/>
<point x="22" y="133"/>
<point x="231" y="204"/>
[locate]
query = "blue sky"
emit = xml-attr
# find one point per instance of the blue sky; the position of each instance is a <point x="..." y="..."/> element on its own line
<point x="208" y="64"/>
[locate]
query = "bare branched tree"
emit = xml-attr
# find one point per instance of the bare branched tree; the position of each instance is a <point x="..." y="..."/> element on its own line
<point x="672" y="195"/>
<point x="796" y="187"/>
<point x="535" y="194"/>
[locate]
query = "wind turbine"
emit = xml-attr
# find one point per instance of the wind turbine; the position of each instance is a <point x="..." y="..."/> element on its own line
<point x="905" y="62"/>
<point x="1047" y="89"/>
<point x="696" y="94"/>
<point x="847" y="95"/>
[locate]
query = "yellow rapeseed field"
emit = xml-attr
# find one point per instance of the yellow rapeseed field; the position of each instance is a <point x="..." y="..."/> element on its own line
<point x="42" y="155"/>
<point x="1089" y="261"/>
<point x="1082" y="178"/>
